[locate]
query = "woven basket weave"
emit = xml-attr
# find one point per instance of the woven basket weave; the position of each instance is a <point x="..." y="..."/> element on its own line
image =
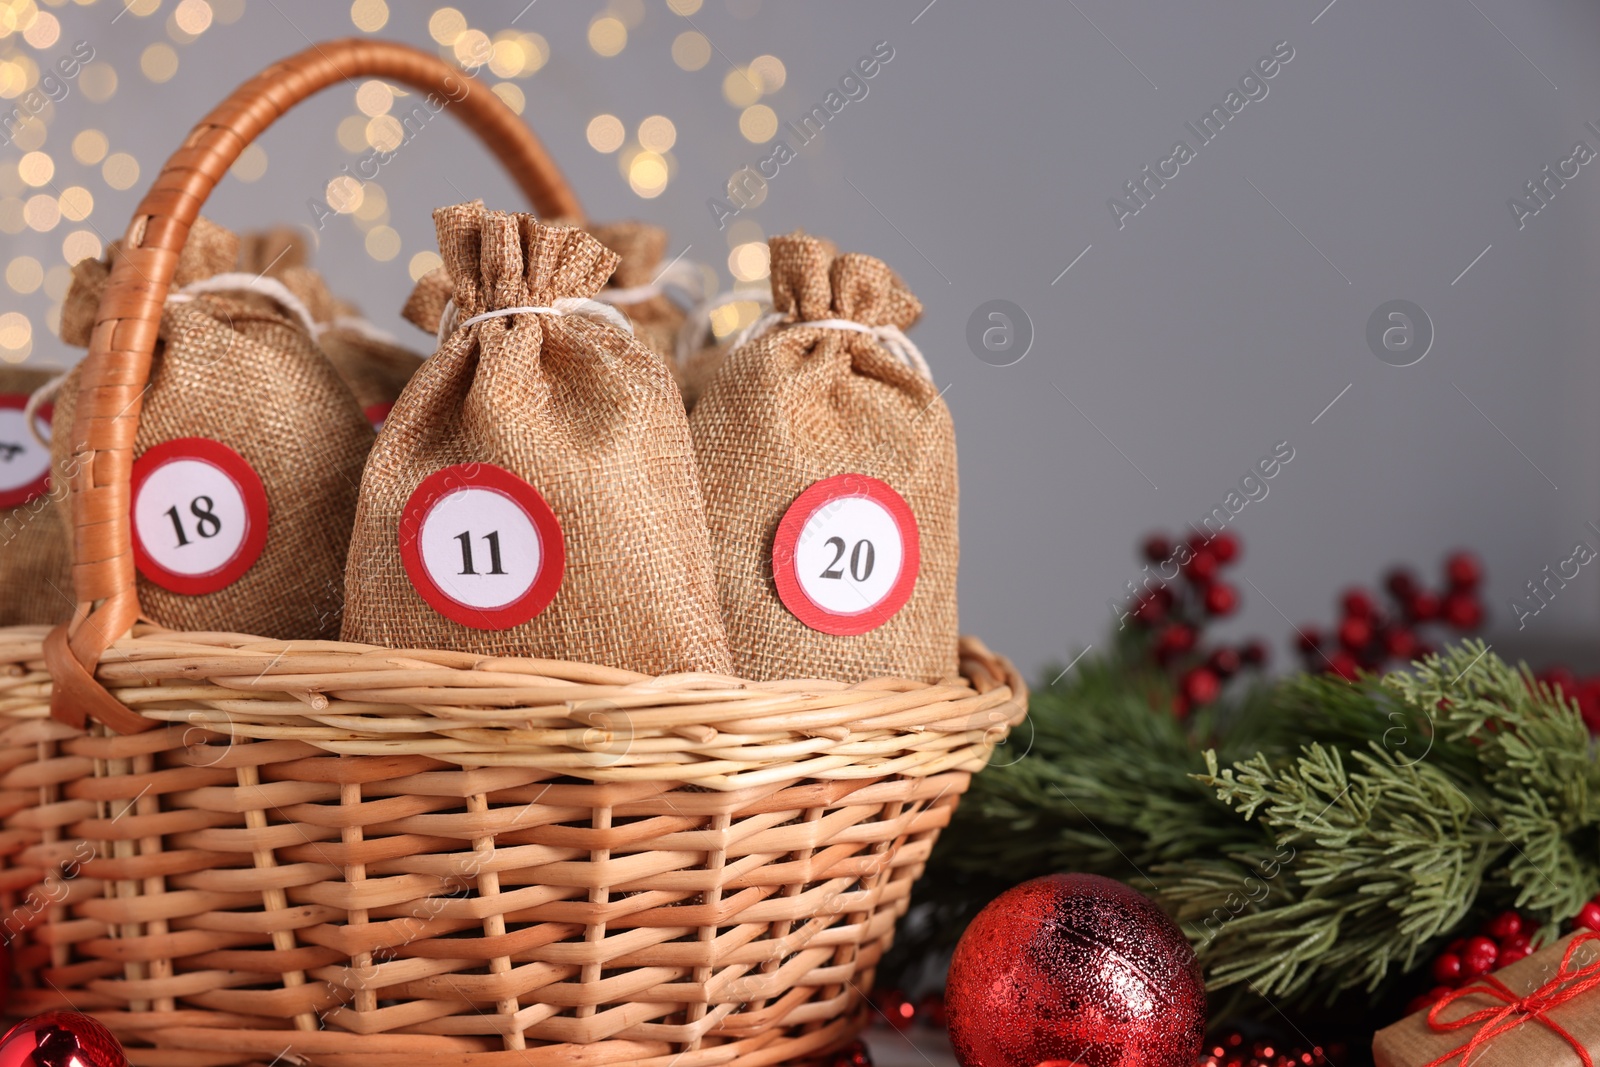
<point x="233" y="850"/>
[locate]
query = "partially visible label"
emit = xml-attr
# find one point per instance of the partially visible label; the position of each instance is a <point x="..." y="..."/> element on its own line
<point x="24" y="462"/>
<point x="846" y="555"/>
<point x="482" y="547"/>
<point x="199" y="515"/>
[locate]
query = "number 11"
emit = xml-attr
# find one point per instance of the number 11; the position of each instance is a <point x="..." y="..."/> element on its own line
<point x="493" y="537"/>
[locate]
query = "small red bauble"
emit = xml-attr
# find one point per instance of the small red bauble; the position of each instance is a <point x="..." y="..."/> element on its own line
<point x="1221" y="598"/>
<point x="1079" y="969"/>
<point x="1401" y="583"/>
<point x="1253" y="653"/>
<point x="1157" y="548"/>
<point x="1358" y="605"/>
<point x="1507" y="924"/>
<point x="1200" y="686"/>
<point x="1463" y="570"/>
<point x="1588" y="916"/>
<point x="1202" y="567"/>
<point x="1308" y="638"/>
<point x="1479" y="956"/>
<point x="1345" y="666"/>
<point x="61" y="1039"/>
<point x="1447" y="968"/>
<point x="1225" y="547"/>
<point x="1461" y="610"/>
<point x="1422" y="607"/>
<point x="1225" y="662"/>
<point x="1355" y="633"/>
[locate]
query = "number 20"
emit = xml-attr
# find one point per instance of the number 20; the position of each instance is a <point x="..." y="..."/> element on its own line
<point x="860" y="562"/>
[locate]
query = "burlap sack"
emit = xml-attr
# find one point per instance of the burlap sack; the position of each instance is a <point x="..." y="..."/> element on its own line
<point x="374" y="365"/>
<point x="797" y="405"/>
<point x="238" y="368"/>
<point x="581" y="411"/>
<point x="35" y="567"/>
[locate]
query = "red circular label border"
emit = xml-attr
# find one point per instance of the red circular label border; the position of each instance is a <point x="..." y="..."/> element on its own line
<point x="378" y="414"/>
<point x="784" y="543"/>
<point x="552" y="545"/>
<point x="22" y="494"/>
<point x="233" y="467"/>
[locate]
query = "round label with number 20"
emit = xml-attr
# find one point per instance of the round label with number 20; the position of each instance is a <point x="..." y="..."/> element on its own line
<point x="846" y="555"/>
<point x="481" y="546"/>
<point x="199" y="515"/>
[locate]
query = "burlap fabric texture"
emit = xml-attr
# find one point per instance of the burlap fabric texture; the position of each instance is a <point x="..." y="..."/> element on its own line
<point x="35" y="563"/>
<point x="584" y="413"/>
<point x="375" y="366"/>
<point x="237" y="368"/>
<point x="798" y="404"/>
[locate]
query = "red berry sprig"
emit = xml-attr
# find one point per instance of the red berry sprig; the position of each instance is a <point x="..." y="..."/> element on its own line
<point x="1500" y="942"/>
<point x="1370" y="635"/>
<point x="1585" y="692"/>
<point x="1174" y="616"/>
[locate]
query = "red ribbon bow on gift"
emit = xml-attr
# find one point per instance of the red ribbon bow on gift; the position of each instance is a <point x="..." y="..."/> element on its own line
<point x="1515" y="1010"/>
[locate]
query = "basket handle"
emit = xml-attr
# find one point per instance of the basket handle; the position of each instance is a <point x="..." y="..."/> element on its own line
<point x="117" y="368"/>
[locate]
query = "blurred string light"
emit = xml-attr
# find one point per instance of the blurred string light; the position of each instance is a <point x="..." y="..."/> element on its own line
<point x="159" y="63"/>
<point x="251" y="164"/>
<point x="608" y="35"/>
<point x="89" y="147"/>
<point x="369" y="16"/>
<point x="606" y="133"/>
<point x="691" y="50"/>
<point x="422" y="263"/>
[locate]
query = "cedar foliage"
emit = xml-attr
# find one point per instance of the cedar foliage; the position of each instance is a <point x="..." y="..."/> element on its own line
<point x="1311" y="836"/>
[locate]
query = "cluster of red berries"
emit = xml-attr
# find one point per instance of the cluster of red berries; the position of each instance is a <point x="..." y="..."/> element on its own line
<point x="1369" y="635"/>
<point x="1500" y="942"/>
<point x="1585" y="692"/>
<point x="1233" y="1049"/>
<point x="1175" y="616"/>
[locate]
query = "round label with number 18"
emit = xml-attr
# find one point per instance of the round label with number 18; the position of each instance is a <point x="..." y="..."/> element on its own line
<point x="481" y="546"/>
<point x="199" y="515"/>
<point x="846" y="555"/>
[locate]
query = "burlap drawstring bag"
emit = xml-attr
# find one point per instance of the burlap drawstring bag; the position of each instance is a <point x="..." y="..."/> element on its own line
<point x="534" y="491"/>
<point x="35" y="564"/>
<point x="638" y="289"/>
<point x="829" y="466"/>
<point x="239" y="386"/>
<point x="373" y="364"/>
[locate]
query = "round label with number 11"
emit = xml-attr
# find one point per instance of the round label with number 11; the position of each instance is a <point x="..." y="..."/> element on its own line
<point x="199" y="515"/>
<point x="481" y="546"/>
<point x="846" y="555"/>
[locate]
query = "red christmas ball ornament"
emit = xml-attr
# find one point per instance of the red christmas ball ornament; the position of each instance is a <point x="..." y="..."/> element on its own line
<point x="1401" y="583"/>
<point x="1253" y="652"/>
<point x="61" y="1039"/>
<point x="1225" y="662"/>
<point x="1447" y="968"/>
<point x="1075" y="968"/>
<point x="1345" y="666"/>
<point x="1588" y="916"/>
<point x="1308" y="639"/>
<point x="1422" y="607"/>
<point x="1502" y="927"/>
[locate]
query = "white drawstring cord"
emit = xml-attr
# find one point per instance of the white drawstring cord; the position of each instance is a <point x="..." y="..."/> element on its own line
<point x="231" y="282"/>
<point x="567" y="305"/>
<point x="891" y="337"/>
<point x="684" y="275"/>
<point x="37" y="399"/>
<point x="271" y="288"/>
<point x="697" y="333"/>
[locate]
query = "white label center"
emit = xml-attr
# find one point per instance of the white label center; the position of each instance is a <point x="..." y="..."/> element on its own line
<point x="848" y="555"/>
<point x="191" y="517"/>
<point x="480" y="547"/>
<point x="23" y="460"/>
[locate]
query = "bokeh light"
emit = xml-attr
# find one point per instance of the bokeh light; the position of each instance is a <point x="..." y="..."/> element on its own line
<point x="607" y="35"/>
<point x="374" y="98"/>
<point x="80" y="244"/>
<point x="89" y="147"/>
<point x="383" y="243"/>
<point x="750" y="262"/>
<point x="446" y="24"/>
<point x="758" y="123"/>
<point x="120" y="170"/>
<point x="684" y="7"/>
<point x="36" y="168"/>
<point x="76" y="202"/>
<point x="192" y="16"/>
<point x="344" y="194"/>
<point x="657" y="134"/>
<point x="251" y="164"/>
<point x="739" y="88"/>
<point x="512" y="96"/>
<point x="768" y="73"/>
<point x="691" y="50"/>
<point x="98" y="82"/>
<point x="606" y="133"/>
<point x="648" y="175"/>
<point x="422" y="263"/>
<point x="369" y="16"/>
<point x="24" y="275"/>
<point x="159" y="63"/>
<point x="42" y="212"/>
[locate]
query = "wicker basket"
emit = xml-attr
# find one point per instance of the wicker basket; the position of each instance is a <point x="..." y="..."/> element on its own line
<point x="233" y="850"/>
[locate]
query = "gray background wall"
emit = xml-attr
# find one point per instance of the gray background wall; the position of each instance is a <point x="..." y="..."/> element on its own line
<point x="1220" y="320"/>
